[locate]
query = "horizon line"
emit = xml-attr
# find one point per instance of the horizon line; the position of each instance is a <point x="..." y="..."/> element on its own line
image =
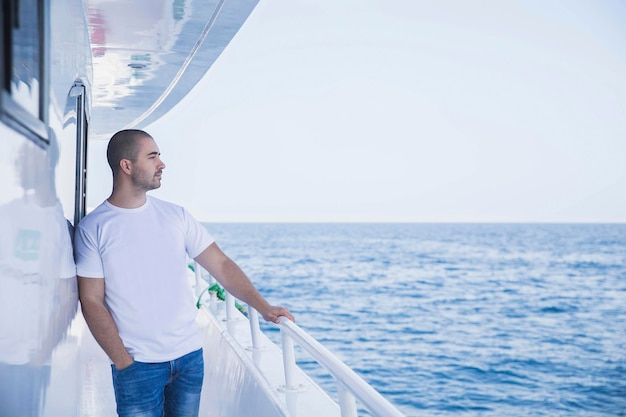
<point x="546" y="222"/>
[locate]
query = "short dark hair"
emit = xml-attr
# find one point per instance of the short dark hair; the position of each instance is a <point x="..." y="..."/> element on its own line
<point x="123" y="145"/>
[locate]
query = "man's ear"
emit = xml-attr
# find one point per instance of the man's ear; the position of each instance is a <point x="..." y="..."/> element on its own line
<point x="126" y="165"/>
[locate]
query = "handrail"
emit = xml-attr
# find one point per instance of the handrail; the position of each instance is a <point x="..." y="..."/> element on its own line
<point x="346" y="377"/>
<point x="349" y="384"/>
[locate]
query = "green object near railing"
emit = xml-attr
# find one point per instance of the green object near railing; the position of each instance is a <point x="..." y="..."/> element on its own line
<point x="221" y="295"/>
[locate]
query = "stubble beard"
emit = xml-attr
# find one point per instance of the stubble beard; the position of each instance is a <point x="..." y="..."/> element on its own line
<point x="145" y="182"/>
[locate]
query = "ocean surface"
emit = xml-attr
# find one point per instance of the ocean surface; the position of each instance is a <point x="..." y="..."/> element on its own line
<point x="455" y="319"/>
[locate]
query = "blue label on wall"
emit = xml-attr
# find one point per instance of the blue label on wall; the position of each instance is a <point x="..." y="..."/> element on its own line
<point x="27" y="245"/>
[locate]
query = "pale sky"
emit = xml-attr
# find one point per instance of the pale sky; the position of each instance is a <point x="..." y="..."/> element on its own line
<point x="405" y="110"/>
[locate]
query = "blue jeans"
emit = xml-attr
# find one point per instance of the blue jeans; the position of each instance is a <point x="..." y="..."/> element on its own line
<point x="170" y="389"/>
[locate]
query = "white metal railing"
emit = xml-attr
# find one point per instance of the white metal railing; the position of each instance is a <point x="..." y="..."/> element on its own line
<point x="350" y="386"/>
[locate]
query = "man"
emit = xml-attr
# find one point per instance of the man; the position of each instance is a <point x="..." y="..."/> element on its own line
<point x="131" y="256"/>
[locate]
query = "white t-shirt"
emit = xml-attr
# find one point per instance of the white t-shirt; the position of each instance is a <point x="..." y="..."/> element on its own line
<point x="142" y="255"/>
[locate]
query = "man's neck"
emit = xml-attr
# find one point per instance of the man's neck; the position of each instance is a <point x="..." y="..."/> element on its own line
<point x="127" y="199"/>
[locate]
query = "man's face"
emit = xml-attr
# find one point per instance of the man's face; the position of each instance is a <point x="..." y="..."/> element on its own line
<point x="148" y="168"/>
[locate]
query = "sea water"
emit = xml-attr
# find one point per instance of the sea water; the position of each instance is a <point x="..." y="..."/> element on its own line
<point x="455" y="319"/>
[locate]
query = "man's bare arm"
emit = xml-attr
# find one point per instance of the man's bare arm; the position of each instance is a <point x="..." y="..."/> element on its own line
<point x="100" y="322"/>
<point x="237" y="283"/>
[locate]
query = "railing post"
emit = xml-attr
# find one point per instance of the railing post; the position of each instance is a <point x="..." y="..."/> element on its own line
<point x="230" y="307"/>
<point x="347" y="402"/>
<point x="200" y="283"/>
<point x="255" y="329"/>
<point x="289" y="360"/>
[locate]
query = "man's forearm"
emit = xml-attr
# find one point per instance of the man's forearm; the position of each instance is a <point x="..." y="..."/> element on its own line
<point x="106" y="334"/>
<point x="239" y="285"/>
